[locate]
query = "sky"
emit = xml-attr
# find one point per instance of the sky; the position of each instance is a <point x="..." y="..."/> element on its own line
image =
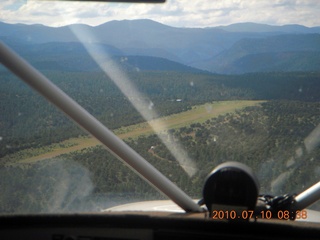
<point x="177" y="13"/>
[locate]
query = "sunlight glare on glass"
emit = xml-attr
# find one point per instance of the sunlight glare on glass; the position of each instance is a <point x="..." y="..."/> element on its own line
<point x="140" y="102"/>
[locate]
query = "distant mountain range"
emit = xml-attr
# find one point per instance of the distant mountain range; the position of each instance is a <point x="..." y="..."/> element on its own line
<point x="149" y="45"/>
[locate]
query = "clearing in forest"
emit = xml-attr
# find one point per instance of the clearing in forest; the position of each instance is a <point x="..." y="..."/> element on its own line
<point x="197" y="114"/>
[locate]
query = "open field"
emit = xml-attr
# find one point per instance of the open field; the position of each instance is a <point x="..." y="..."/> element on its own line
<point x="199" y="113"/>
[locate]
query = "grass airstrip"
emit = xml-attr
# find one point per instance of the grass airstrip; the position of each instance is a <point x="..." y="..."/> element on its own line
<point x="197" y="114"/>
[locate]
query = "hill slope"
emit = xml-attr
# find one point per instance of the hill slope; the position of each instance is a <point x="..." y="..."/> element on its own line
<point x="298" y="52"/>
<point x="215" y="49"/>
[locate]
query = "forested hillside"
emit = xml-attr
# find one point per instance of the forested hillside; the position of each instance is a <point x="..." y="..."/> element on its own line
<point x="273" y="139"/>
<point x="286" y="53"/>
<point x="23" y="109"/>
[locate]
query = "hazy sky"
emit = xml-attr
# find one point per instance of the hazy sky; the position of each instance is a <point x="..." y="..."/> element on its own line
<point x="179" y="13"/>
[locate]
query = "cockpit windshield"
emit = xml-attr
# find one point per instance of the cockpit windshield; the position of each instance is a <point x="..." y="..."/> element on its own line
<point x="187" y="84"/>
